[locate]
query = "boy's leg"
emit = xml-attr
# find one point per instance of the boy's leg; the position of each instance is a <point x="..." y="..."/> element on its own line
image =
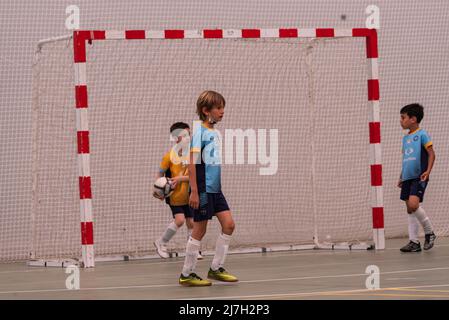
<point x="193" y="247"/>
<point x="188" y="276"/>
<point x="217" y="271"/>
<point x="179" y="220"/>
<point x="189" y="224"/>
<point x="188" y="214"/>
<point x="413" y="228"/>
<point x="413" y="225"/>
<point x="223" y="240"/>
<point x="172" y="228"/>
<point x="161" y="243"/>
<point x="416" y="210"/>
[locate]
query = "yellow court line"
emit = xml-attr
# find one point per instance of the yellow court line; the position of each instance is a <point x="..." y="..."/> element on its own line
<point x="417" y="290"/>
<point x="389" y="295"/>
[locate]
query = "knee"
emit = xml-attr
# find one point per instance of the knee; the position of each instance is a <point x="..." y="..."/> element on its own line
<point x="412" y="208"/>
<point x="229" y="228"/>
<point x="179" y="220"/>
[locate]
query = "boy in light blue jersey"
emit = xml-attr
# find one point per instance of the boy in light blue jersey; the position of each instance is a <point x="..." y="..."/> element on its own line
<point x="418" y="158"/>
<point x="206" y="197"/>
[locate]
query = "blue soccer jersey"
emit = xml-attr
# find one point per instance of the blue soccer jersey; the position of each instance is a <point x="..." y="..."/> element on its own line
<point x="414" y="154"/>
<point x="208" y="172"/>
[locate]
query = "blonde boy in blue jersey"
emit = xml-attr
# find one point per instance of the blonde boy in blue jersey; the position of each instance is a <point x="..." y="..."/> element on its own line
<point x="206" y="197"/>
<point x="418" y="158"/>
<point x="174" y="166"/>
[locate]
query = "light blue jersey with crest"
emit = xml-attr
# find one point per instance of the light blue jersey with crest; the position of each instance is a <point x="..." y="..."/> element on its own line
<point x="415" y="158"/>
<point x="207" y="142"/>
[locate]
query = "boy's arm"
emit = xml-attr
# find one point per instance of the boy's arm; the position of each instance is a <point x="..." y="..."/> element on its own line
<point x="182" y="178"/>
<point x="194" y="197"/>
<point x="400" y="176"/>
<point x="431" y="154"/>
<point x="165" y="164"/>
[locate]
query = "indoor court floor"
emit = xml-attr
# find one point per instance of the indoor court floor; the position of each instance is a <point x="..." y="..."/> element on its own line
<point x="310" y="274"/>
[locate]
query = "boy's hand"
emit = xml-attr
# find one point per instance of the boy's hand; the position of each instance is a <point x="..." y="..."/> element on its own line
<point x="425" y="176"/>
<point x="399" y="184"/>
<point x="194" y="200"/>
<point x="174" y="182"/>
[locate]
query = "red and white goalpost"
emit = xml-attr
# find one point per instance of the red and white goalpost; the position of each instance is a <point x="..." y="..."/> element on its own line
<point x="87" y="182"/>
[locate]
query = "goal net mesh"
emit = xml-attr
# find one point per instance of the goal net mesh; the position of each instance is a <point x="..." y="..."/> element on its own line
<point x="312" y="91"/>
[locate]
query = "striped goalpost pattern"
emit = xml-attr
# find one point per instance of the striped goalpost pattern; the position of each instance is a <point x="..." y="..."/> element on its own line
<point x="81" y="38"/>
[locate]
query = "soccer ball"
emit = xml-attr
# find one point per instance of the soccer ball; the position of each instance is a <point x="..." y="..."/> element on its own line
<point x="163" y="187"/>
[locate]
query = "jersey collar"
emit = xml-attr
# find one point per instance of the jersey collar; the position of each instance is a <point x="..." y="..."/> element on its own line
<point x="204" y="126"/>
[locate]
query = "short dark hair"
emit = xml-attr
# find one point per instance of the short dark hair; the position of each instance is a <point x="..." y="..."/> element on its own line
<point x="179" y="125"/>
<point x="414" y="110"/>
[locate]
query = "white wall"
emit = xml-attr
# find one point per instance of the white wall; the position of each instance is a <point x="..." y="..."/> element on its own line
<point x="414" y="65"/>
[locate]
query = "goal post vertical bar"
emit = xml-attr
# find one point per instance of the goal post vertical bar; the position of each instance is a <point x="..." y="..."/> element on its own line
<point x="377" y="205"/>
<point x="82" y="128"/>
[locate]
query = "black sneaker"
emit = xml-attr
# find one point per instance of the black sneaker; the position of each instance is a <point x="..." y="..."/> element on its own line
<point x="411" y="247"/>
<point x="430" y="238"/>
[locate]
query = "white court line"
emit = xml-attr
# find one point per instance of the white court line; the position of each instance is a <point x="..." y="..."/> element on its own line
<point x="23" y="271"/>
<point x="313" y="293"/>
<point x="148" y="262"/>
<point x="122" y="264"/>
<point x="341" y="275"/>
<point x="235" y="256"/>
<point x="225" y="284"/>
<point x="89" y="289"/>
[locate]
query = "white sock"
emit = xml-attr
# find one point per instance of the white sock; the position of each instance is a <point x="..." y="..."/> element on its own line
<point x="221" y="249"/>
<point x="192" y="248"/>
<point x="169" y="232"/>
<point x="413" y="228"/>
<point x="422" y="217"/>
<point x="189" y="233"/>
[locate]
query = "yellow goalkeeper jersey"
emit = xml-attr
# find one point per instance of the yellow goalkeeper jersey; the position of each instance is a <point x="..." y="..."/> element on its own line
<point x="173" y="165"/>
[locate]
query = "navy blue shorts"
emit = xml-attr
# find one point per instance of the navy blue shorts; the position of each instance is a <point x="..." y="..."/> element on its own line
<point x="185" y="210"/>
<point x="210" y="204"/>
<point x="413" y="187"/>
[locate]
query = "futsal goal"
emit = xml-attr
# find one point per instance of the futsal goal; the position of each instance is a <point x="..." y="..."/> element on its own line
<point x="103" y="103"/>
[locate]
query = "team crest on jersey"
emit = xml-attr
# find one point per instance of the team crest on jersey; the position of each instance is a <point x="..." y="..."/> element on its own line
<point x="408" y="151"/>
<point x="415" y="138"/>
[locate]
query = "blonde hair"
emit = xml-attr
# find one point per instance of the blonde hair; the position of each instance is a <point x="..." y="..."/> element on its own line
<point x="208" y="99"/>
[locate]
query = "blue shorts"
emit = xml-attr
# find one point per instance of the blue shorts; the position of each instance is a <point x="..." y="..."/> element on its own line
<point x="185" y="210"/>
<point x="413" y="187"/>
<point x="210" y="204"/>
